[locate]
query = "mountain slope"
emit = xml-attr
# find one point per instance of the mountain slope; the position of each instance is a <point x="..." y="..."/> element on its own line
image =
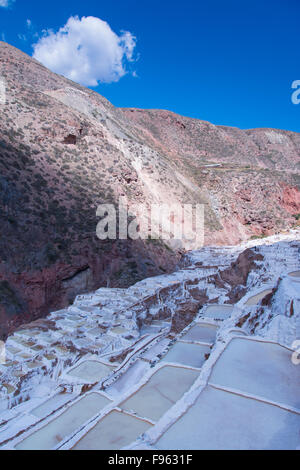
<point x="65" y="149"/>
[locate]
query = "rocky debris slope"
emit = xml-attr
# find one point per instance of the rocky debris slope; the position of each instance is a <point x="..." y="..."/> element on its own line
<point x="65" y="149"/>
<point x="117" y="348"/>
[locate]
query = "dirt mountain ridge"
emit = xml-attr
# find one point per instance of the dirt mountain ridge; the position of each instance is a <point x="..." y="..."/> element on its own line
<point x="65" y="149"/>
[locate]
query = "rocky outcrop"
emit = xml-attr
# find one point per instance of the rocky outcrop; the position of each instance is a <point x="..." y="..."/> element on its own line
<point x="235" y="277"/>
<point x="185" y="313"/>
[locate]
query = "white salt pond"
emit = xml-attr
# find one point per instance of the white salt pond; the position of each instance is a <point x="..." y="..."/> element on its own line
<point x="27" y="333"/>
<point x="90" y="371"/>
<point x="61" y="350"/>
<point x="153" y="351"/>
<point x="45" y="338"/>
<point x="218" y="312"/>
<point x="12" y="350"/>
<point x="295" y="274"/>
<point x="114" y="431"/>
<point x="224" y="421"/>
<point x="119" y="330"/>
<point x="59" y="428"/>
<point x="22" y="355"/>
<point x="149" y="329"/>
<point x="34" y="364"/>
<point x="94" y="332"/>
<point x="192" y="355"/>
<point x="258" y="297"/>
<point x="132" y="375"/>
<point x="259" y="368"/>
<point x="201" y="332"/>
<point x="163" y="389"/>
<point x="51" y="405"/>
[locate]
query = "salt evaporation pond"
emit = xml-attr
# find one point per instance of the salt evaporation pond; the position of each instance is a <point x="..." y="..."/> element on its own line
<point x="201" y="332"/>
<point x="114" y="431"/>
<point x="192" y="355"/>
<point x="258" y="297"/>
<point x="259" y="368"/>
<point x="149" y="330"/>
<point x="119" y="330"/>
<point x="90" y="371"/>
<point x="225" y="421"/>
<point x="164" y="388"/>
<point x="295" y="274"/>
<point x="132" y="375"/>
<point x="218" y="312"/>
<point x="59" y="428"/>
<point x="153" y="351"/>
<point x="52" y="404"/>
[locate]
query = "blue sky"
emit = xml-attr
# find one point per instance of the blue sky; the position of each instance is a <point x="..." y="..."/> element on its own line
<point x="230" y="62"/>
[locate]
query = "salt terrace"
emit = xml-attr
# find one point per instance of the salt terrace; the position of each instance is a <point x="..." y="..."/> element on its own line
<point x="114" y="370"/>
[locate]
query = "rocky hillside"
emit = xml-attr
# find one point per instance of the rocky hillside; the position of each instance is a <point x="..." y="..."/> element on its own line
<point x="249" y="179"/>
<point x="65" y="149"/>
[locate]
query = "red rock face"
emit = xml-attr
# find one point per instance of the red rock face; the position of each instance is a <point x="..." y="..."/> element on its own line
<point x="65" y="149"/>
<point x="290" y="200"/>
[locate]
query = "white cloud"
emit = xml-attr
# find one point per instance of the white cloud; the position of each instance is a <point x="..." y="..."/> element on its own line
<point x="86" y="51"/>
<point x="23" y="37"/>
<point x="6" y="3"/>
